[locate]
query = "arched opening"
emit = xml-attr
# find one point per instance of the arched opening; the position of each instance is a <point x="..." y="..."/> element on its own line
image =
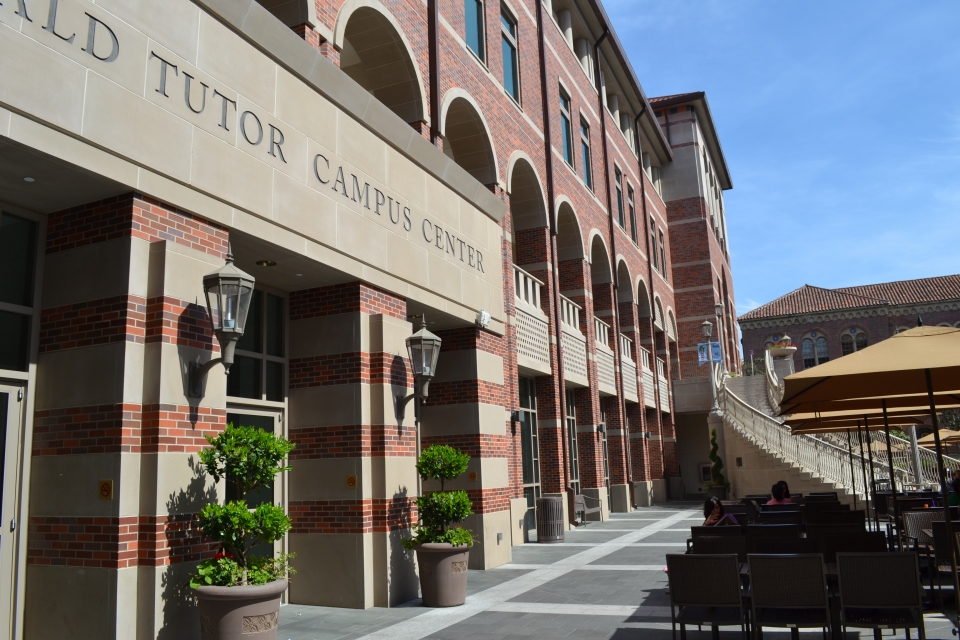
<point x="657" y="315"/>
<point x="375" y="55"/>
<point x="466" y="141"/>
<point x="569" y="238"/>
<point x="643" y="300"/>
<point x="671" y="326"/>
<point x="527" y="212"/>
<point x="624" y="285"/>
<point x="599" y="262"/>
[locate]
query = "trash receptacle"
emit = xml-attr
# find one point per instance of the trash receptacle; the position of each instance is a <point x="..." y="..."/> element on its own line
<point x="550" y="519"/>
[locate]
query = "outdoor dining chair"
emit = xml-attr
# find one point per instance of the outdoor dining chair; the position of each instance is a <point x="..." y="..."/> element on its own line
<point x="865" y="541"/>
<point x="791" y="546"/>
<point x="721" y="531"/>
<point x="880" y="591"/>
<point x="940" y="560"/>
<point x="757" y="532"/>
<point x="788" y="591"/>
<point x="717" y="545"/>
<point x="705" y="589"/>
<point x="779" y="507"/>
<point x="914" y="522"/>
<point x="839" y="517"/>
<point x="818" y="531"/>
<point x="780" y="517"/>
<point x="823" y="495"/>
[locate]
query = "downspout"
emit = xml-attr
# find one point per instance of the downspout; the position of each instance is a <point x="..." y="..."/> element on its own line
<point x="434" y="52"/>
<point x="613" y="248"/>
<point x="558" y="332"/>
<point x="650" y="242"/>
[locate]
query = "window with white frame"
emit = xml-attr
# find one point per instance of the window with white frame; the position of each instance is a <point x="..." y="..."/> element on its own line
<point x="653" y="244"/>
<point x="473" y="19"/>
<point x="566" y="134"/>
<point x="815" y="349"/>
<point x="585" y="153"/>
<point x="852" y="340"/>
<point x="259" y="367"/>
<point x="511" y="64"/>
<point x="618" y="180"/>
<point x="633" y="214"/>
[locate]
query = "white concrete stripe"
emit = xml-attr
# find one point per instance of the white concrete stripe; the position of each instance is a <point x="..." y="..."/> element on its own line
<point x="436" y="620"/>
<point x="570" y="608"/>
<point x="593" y="544"/>
<point x="590" y="567"/>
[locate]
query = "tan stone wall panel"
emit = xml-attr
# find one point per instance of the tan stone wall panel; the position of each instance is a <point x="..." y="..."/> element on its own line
<point x="231" y="174"/>
<point x="82" y="377"/>
<point x="345" y="404"/>
<point x="224" y="55"/>
<point x="326" y="479"/>
<point x="299" y="208"/>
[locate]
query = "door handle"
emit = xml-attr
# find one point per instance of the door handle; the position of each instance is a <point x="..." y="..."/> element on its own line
<point x="13" y="524"/>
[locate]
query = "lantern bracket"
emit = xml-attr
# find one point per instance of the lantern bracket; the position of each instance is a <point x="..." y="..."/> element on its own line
<point x="198" y="373"/>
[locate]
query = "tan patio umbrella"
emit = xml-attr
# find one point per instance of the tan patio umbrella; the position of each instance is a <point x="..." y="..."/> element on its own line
<point x="944" y="401"/>
<point x="893" y="368"/>
<point x="946" y="437"/>
<point x="917" y="361"/>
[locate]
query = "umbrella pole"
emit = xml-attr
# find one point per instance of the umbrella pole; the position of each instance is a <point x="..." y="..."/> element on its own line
<point x="853" y="476"/>
<point x="886" y="430"/>
<point x="943" y="491"/>
<point x="863" y="470"/>
<point x="873" y="478"/>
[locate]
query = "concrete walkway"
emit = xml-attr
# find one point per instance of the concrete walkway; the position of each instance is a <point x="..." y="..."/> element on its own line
<point x="605" y="581"/>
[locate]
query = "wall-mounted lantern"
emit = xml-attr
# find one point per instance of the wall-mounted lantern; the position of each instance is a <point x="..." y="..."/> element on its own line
<point x="423" y="348"/>
<point x="228" y="291"/>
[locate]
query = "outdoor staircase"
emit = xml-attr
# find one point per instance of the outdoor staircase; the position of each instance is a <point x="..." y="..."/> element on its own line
<point x="761" y="450"/>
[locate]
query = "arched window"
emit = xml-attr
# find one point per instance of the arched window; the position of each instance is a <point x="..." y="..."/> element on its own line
<point x="852" y="340"/>
<point x="771" y="340"/>
<point x="814" y="349"/>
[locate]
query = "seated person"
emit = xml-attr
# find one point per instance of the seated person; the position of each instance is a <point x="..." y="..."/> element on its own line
<point x="779" y="494"/>
<point x="713" y="512"/>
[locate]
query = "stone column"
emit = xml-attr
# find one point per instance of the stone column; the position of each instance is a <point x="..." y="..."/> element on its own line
<point x="123" y="314"/>
<point x="352" y="479"/>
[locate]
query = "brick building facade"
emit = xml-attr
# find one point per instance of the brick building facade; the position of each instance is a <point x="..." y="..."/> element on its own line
<point x="827" y="324"/>
<point x="370" y="163"/>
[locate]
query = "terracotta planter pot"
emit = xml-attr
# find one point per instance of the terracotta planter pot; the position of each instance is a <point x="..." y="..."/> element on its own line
<point x="782" y="351"/>
<point x="443" y="574"/>
<point x="240" y="613"/>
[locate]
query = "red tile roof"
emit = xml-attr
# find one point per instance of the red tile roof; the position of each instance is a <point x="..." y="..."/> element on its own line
<point x="677" y="97"/>
<point x="810" y="299"/>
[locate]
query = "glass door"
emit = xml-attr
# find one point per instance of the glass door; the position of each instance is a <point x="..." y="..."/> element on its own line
<point x="606" y="457"/>
<point x="10" y="417"/>
<point x="530" y="450"/>
<point x="572" y="438"/>
<point x="267" y="420"/>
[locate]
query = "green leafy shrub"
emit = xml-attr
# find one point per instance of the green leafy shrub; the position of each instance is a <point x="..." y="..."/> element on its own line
<point x="716" y="470"/>
<point x="248" y="459"/>
<point x="441" y="512"/>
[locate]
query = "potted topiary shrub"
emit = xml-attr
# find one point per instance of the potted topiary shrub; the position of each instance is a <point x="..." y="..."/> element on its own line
<point x="238" y="593"/>
<point x="717" y="487"/>
<point x="442" y="545"/>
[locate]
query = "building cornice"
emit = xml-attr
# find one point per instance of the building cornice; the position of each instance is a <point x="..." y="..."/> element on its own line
<point x="851" y="314"/>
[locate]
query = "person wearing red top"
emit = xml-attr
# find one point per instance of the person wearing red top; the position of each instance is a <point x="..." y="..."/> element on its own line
<point x="781" y="494"/>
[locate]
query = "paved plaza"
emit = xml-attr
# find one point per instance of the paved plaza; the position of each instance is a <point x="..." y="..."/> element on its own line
<point x="605" y="581"/>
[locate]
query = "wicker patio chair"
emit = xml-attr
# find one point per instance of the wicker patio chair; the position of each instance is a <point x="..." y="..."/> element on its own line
<point x="914" y="522"/>
<point x="764" y="508"/>
<point x="726" y="531"/>
<point x="788" y="591"/>
<point x="742" y="512"/>
<point x="865" y="541"/>
<point x="791" y="546"/>
<point x="818" y="531"/>
<point x="838" y="517"/>
<point x="758" y="497"/>
<point x="718" y="545"/>
<point x="705" y="589"/>
<point x="823" y="495"/>
<point x="780" y="517"/>
<point x="940" y="560"/>
<point x="880" y="591"/>
<point x="757" y="532"/>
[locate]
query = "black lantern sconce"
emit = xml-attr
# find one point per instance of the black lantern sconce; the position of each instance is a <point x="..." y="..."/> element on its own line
<point x="228" y="291"/>
<point x="423" y="348"/>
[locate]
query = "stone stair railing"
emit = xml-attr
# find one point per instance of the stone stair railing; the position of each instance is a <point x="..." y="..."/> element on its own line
<point x="823" y="460"/>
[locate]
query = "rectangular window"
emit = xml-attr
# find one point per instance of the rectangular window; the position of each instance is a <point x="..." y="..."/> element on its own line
<point x="473" y="17"/>
<point x="585" y="153"/>
<point x="653" y="244"/>
<point x="511" y="67"/>
<point x="633" y="216"/>
<point x="18" y="252"/>
<point x="565" y="131"/>
<point x="260" y="364"/>
<point x="574" y="457"/>
<point x="529" y="449"/>
<point x="618" y="179"/>
<point x="663" y="253"/>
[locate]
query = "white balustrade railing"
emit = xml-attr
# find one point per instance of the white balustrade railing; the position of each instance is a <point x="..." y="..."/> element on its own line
<point x="644" y="358"/>
<point x="663" y="385"/>
<point x="601" y="332"/>
<point x="628" y="369"/>
<point x="575" y="358"/>
<point x="526" y="288"/>
<point x="661" y="369"/>
<point x="606" y="376"/>
<point x="626" y="348"/>
<point x="824" y="459"/>
<point x="569" y="313"/>
<point x="774" y="384"/>
<point x="646" y="378"/>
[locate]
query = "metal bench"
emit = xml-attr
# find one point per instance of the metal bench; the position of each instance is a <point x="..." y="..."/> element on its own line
<point x="581" y="506"/>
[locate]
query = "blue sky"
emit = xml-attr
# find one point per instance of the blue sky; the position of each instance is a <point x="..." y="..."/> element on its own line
<point x="840" y="123"/>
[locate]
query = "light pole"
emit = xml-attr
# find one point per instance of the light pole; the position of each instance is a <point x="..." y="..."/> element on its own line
<point x="707" y="329"/>
<point x="228" y="291"/>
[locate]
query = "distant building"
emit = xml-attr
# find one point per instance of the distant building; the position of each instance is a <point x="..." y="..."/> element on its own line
<point x="830" y="323"/>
